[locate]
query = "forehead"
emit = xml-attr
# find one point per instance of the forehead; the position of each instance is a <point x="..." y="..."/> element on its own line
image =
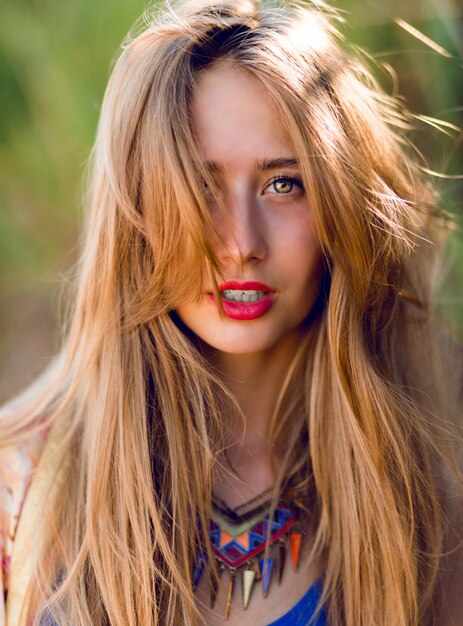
<point x="234" y="118"/>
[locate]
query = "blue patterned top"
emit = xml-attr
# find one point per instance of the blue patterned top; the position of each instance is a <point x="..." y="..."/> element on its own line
<point x="303" y="611"/>
<point x="299" y="615"/>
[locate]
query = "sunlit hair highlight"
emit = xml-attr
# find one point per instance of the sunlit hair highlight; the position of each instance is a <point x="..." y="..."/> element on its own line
<point x="364" y="416"/>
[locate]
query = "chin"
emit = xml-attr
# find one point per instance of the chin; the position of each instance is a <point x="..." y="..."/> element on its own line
<point x="243" y="340"/>
<point x="243" y="348"/>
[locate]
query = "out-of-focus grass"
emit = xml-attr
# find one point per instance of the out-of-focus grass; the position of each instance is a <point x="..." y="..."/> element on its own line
<point x="54" y="62"/>
<point x="432" y="86"/>
<point x="55" y="58"/>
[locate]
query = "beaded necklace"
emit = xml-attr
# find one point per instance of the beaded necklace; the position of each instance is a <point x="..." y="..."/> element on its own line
<point x="247" y="543"/>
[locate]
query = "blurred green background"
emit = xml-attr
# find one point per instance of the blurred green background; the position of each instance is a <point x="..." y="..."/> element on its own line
<point x="55" y="58"/>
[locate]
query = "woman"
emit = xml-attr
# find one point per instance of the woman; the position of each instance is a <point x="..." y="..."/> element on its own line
<point x="251" y="369"/>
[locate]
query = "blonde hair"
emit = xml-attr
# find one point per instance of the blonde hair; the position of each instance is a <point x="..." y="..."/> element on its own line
<point x="365" y="413"/>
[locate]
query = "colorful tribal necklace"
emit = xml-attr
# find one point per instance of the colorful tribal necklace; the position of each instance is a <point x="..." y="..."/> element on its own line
<point x="239" y="538"/>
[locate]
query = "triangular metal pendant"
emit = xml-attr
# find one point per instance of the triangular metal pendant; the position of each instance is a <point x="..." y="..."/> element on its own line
<point x="266" y="566"/>
<point x="231" y="584"/>
<point x="295" y="541"/>
<point x="256" y="567"/>
<point x="198" y="571"/>
<point x="280" y="560"/>
<point x="214" y="589"/>
<point x="247" y="583"/>
<point x="215" y="585"/>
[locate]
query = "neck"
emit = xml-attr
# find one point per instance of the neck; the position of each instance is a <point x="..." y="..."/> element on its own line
<point x="255" y="381"/>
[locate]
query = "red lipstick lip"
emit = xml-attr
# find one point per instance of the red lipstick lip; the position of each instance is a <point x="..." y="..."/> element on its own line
<point x="247" y="284"/>
<point x="246" y="311"/>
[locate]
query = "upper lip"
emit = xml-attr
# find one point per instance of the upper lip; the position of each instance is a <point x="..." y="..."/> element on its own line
<point x="254" y="285"/>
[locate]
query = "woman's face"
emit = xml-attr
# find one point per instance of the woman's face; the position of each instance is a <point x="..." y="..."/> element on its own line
<point x="268" y="245"/>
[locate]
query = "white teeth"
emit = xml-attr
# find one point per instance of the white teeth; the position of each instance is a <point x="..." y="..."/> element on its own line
<point x="243" y="295"/>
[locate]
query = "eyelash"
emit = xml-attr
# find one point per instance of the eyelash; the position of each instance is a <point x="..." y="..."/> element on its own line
<point x="276" y="179"/>
<point x="291" y="179"/>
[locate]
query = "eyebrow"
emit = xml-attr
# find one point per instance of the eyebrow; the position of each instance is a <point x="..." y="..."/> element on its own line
<point x="273" y="164"/>
<point x="262" y="165"/>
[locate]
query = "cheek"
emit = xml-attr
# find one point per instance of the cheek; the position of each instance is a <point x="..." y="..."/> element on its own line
<point x="312" y="260"/>
<point x="300" y="249"/>
<point x="306" y="263"/>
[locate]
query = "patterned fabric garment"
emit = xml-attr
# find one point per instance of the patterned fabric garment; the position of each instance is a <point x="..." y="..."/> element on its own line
<point x="299" y="615"/>
<point x="16" y="470"/>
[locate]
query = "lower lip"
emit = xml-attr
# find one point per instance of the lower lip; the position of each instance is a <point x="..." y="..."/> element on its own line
<point x="246" y="310"/>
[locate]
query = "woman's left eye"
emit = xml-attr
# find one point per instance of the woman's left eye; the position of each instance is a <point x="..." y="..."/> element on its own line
<point x="283" y="185"/>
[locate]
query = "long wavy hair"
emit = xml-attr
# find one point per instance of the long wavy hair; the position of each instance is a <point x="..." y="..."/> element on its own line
<point x="364" y="417"/>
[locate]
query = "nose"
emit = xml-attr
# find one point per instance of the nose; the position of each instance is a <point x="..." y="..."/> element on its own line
<point x="241" y="230"/>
